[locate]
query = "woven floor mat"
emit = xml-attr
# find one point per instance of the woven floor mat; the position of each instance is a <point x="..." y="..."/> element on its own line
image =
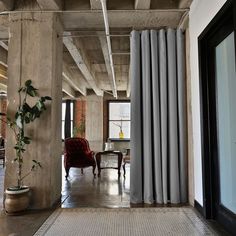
<point x="125" y="222"/>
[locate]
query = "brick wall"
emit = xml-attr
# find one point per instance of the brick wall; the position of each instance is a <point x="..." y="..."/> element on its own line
<point x="79" y="118"/>
<point x="3" y="109"/>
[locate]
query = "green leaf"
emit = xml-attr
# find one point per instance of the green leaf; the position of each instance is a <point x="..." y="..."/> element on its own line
<point x="48" y="98"/>
<point x="26" y="140"/>
<point x="19" y="90"/>
<point x="37" y="163"/>
<point x="42" y="99"/>
<point x="32" y="93"/>
<point x="26" y="107"/>
<point x="19" y="122"/>
<point x="28" y="83"/>
<point x="27" y="119"/>
<point x="39" y="105"/>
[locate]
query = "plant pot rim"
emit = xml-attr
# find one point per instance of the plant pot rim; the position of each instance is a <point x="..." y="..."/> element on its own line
<point x="24" y="189"/>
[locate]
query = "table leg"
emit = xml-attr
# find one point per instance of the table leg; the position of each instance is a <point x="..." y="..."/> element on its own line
<point x="98" y="160"/>
<point x="120" y="157"/>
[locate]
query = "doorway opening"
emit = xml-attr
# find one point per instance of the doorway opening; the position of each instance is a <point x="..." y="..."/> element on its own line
<point x="110" y="188"/>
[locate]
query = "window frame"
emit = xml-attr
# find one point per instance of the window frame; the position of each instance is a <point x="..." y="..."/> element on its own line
<point x="108" y="119"/>
<point x="72" y="118"/>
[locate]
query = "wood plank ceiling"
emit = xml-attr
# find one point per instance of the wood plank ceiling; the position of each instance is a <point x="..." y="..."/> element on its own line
<point x="86" y="64"/>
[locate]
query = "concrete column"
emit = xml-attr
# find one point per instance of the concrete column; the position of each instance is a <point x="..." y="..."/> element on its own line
<point x="35" y="52"/>
<point x="94" y="122"/>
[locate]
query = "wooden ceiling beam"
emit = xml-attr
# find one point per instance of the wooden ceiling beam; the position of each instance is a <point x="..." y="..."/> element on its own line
<point x="3" y="71"/>
<point x="95" y="4"/>
<point x="185" y="3"/>
<point x="66" y="88"/>
<point x="73" y="81"/>
<point x="3" y="80"/>
<point x="3" y="56"/>
<point x="142" y="4"/>
<point x="50" y="4"/>
<point x="4" y="45"/>
<point x="125" y="19"/>
<point x="78" y="54"/>
<point x="103" y="43"/>
<point x="6" y="5"/>
<point x="3" y="87"/>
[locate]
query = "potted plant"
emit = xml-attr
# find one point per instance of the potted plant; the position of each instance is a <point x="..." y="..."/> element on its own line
<point x="17" y="197"/>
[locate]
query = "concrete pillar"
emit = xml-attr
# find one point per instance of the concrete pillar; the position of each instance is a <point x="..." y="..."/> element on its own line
<point x="35" y="52"/>
<point x="94" y="122"/>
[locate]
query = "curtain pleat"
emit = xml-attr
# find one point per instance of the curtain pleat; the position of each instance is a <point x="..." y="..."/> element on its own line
<point x="147" y="118"/>
<point x="136" y="178"/>
<point x="172" y="117"/>
<point x="182" y="111"/>
<point x="158" y="117"/>
<point x="158" y="193"/>
<point x="163" y="106"/>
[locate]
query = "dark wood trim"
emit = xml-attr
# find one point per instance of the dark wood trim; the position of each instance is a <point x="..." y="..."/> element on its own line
<point x="120" y="140"/>
<point x="210" y="28"/>
<point x="199" y="207"/>
<point x="207" y="163"/>
<point x="67" y="131"/>
<point x="218" y="29"/>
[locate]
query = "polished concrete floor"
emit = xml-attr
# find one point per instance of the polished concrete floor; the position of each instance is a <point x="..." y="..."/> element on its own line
<point x="83" y="190"/>
<point x="79" y="190"/>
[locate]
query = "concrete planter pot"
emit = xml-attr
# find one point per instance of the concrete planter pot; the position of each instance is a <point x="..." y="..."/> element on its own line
<point x="16" y="201"/>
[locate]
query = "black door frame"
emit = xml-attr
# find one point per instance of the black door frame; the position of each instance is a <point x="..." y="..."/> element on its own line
<point x="208" y="107"/>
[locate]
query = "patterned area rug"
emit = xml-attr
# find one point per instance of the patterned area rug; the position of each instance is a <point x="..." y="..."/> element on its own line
<point x="125" y="222"/>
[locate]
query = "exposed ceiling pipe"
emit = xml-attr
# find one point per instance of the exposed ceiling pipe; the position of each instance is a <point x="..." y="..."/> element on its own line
<point x="107" y="31"/>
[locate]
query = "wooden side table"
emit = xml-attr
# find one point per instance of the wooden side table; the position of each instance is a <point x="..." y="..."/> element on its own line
<point x="98" y="160"/>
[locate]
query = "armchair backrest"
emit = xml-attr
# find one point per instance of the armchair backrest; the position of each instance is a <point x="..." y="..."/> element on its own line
<point x="76" y="145"/>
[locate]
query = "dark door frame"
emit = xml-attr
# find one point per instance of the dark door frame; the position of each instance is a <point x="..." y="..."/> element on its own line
<point x="226" y="16"/>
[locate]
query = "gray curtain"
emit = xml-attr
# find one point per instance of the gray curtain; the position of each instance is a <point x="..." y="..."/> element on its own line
<point x="158" y="117"/>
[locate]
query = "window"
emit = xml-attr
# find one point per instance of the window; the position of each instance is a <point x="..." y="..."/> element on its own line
<point x="119" y="120"/>
<point x="63" y="118"/>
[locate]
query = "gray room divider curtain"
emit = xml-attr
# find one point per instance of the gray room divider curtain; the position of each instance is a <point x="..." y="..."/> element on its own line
<point x="158" y="117"/>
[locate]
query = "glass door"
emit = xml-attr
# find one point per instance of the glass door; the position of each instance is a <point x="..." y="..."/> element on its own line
<point x="222" y="123"/>
<point x="226" y="121"/>
<point x="218" y="116"/>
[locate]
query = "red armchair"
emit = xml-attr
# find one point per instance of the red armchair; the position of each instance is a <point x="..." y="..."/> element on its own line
<point x="78" y="154"/>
